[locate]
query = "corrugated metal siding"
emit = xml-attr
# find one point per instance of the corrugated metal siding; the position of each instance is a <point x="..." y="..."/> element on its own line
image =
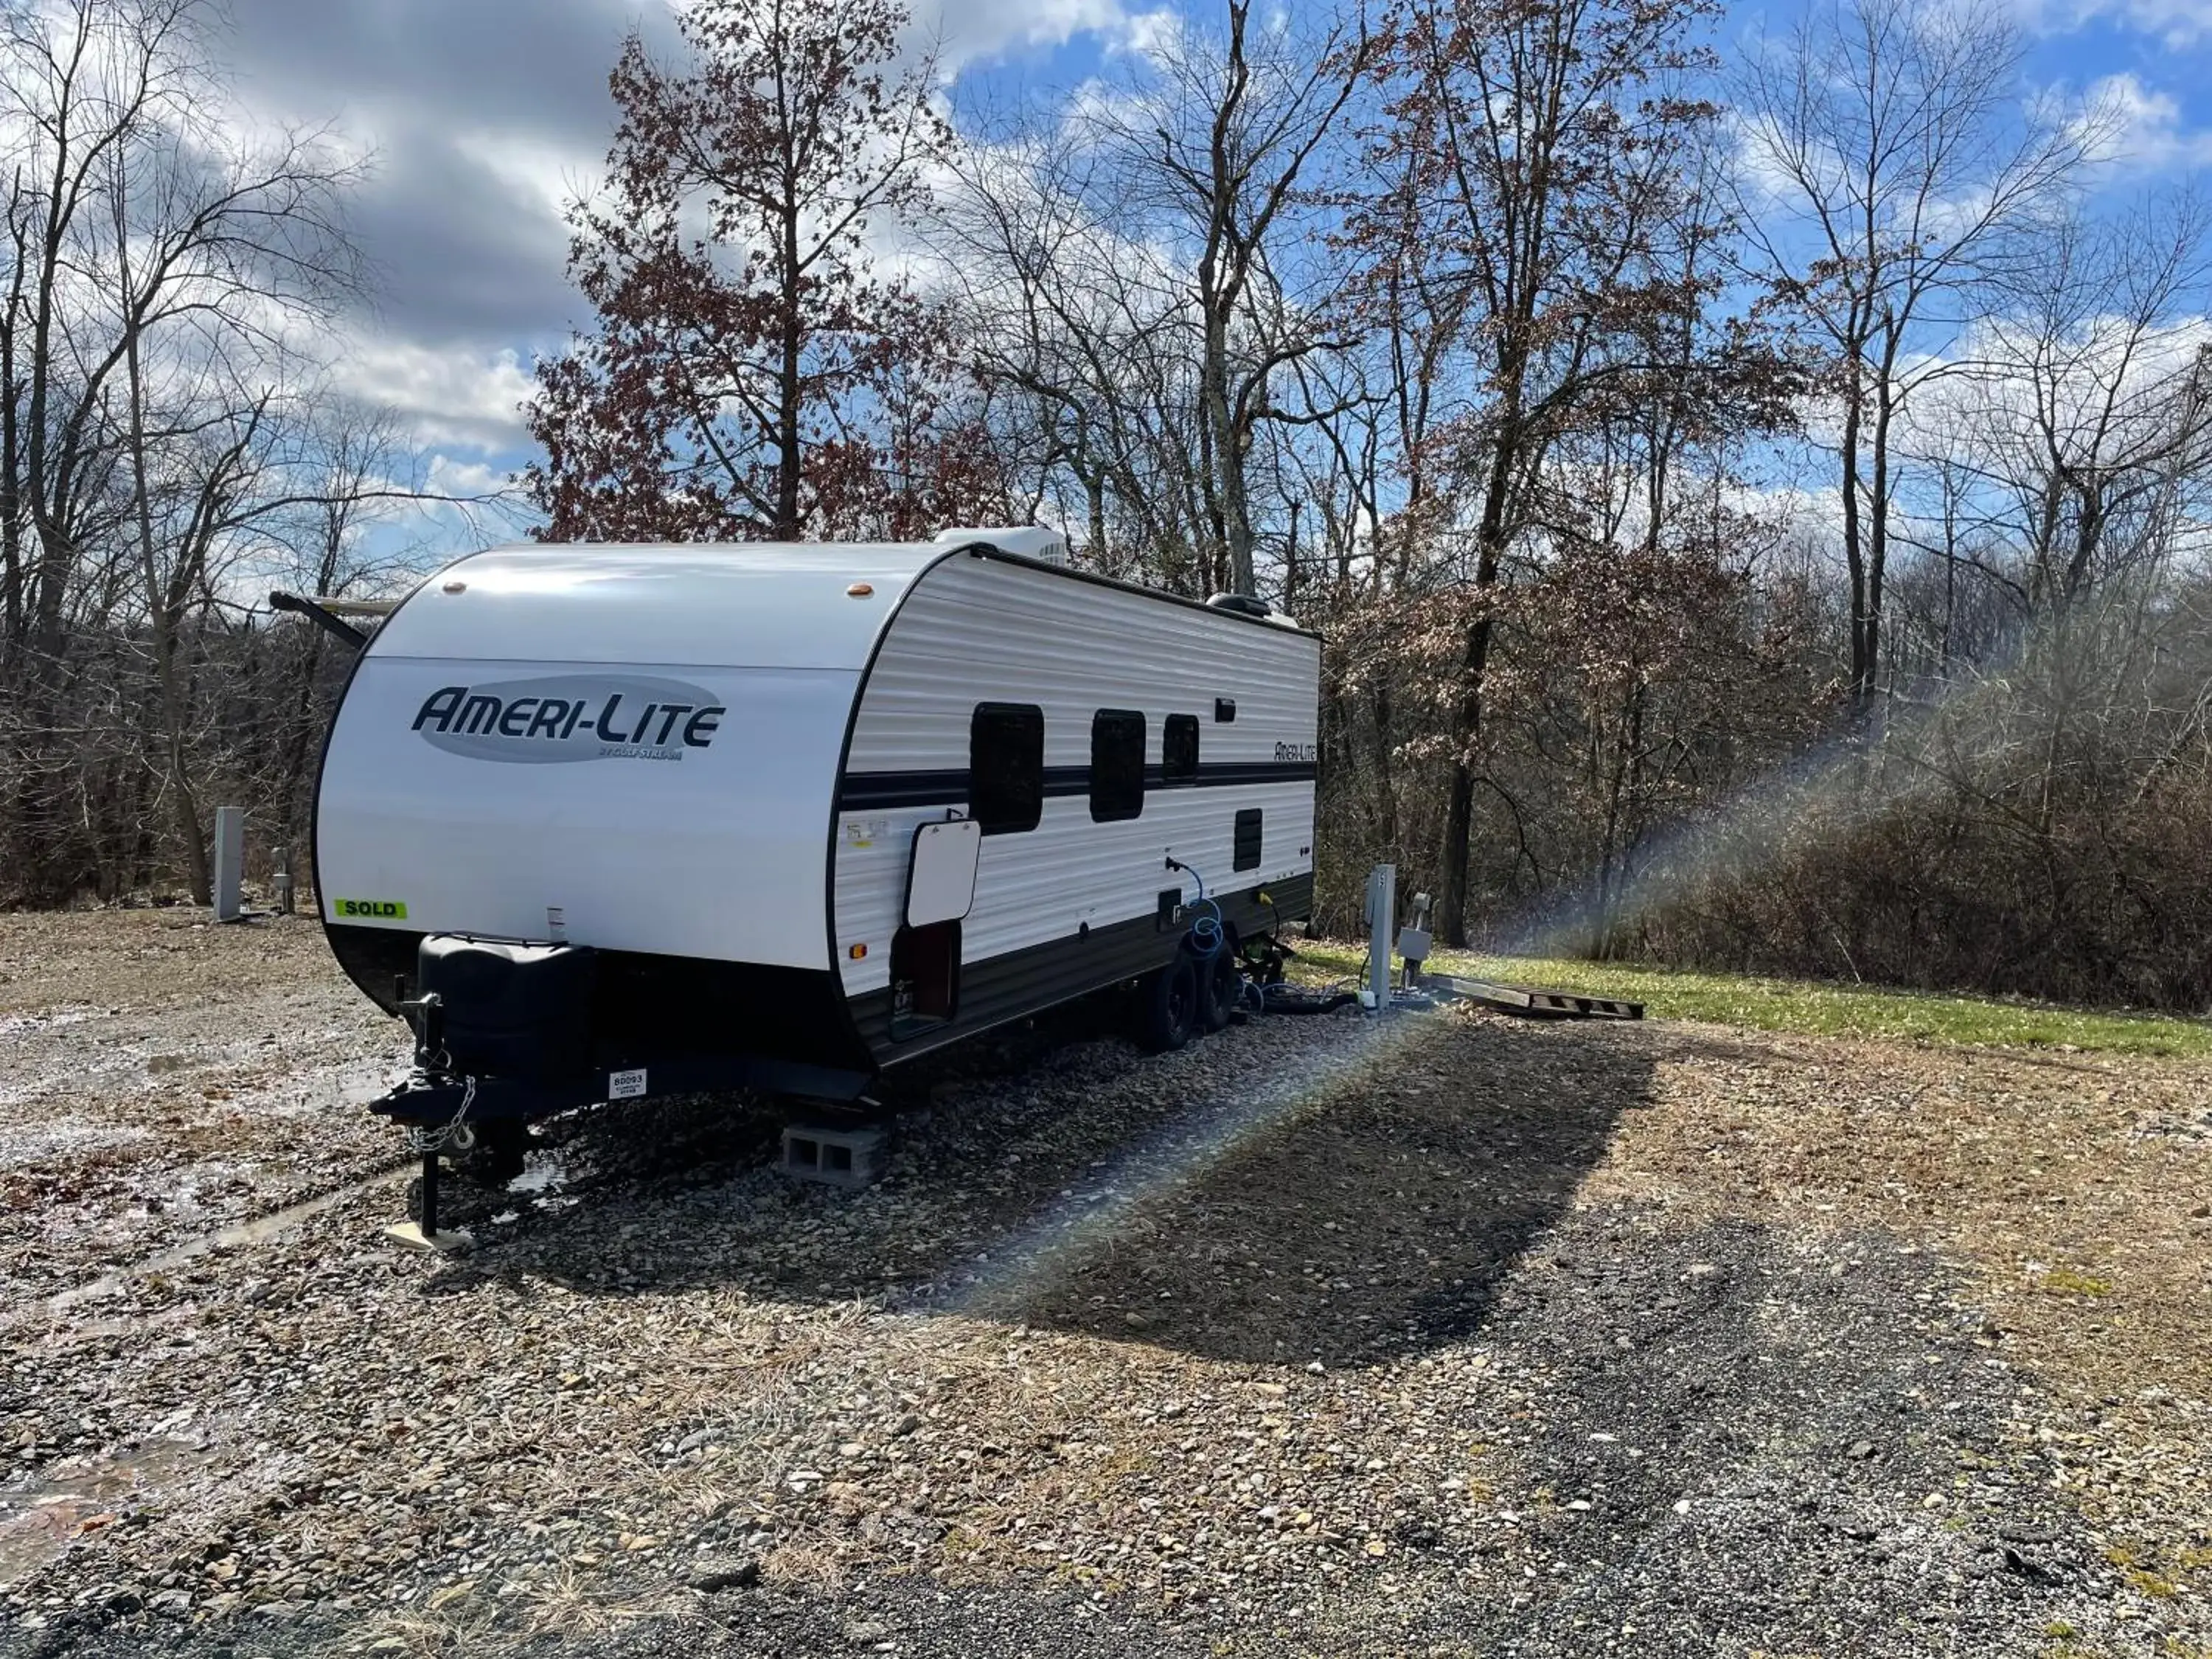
<point x="1008" y="986"/>
<point x="976" y="629"/>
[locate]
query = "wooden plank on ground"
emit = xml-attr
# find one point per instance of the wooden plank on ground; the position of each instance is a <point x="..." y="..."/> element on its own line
<point x="1535" y="1001"/>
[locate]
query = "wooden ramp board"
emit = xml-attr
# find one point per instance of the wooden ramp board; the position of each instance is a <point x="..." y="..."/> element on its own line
<point x="1536" y="1002"/>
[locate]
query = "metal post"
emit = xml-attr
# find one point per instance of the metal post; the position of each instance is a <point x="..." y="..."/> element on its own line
<point x="229" y="861"/>
<point x="281" y="880"/>
<point x="1382" y="923"/>
<point x="429" y="1196"/>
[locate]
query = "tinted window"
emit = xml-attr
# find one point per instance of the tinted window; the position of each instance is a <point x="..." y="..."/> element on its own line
<point x="1179" y="749"/>
<point x="1248" y="839"/>
<point x="1117" y="764"/>
<point x="1006" y="766"/>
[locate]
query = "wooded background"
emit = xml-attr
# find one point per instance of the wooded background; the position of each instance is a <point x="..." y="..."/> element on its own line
<point x="1756" y="501"/>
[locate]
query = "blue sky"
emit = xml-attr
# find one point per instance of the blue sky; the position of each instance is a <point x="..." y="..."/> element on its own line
<point x="483" y="116"/>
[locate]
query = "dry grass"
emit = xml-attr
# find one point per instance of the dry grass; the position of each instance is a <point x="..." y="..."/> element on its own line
<point x="144" y="959"/>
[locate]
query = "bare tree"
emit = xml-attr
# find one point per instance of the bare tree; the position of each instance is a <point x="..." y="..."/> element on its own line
<point x="1892" y="171"/>
<point x="1144" y="268"/>
<point x="161" y="271"/>
<point x="1220" y="142"/>
<point x="2084" y="411"/>
<point x="1533" y="153"/>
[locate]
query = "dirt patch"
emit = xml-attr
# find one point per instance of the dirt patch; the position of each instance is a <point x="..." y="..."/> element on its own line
<point x="1454" y="1336"/>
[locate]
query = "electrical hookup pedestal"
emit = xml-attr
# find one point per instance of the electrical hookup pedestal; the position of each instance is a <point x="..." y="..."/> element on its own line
<point x="1382" y="919"/>
<point x="1419" y="989"/>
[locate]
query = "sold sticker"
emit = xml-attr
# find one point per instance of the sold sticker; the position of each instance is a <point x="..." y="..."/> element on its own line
<point x="370" y="909"/>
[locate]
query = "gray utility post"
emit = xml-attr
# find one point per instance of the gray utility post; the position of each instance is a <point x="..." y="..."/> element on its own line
<point x="1382" y="925"/>
<point x="229" y="861"/>
<point x="280" y="878"/>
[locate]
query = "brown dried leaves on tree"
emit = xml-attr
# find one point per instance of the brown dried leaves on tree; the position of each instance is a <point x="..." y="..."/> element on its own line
<point x="750" y="374"/>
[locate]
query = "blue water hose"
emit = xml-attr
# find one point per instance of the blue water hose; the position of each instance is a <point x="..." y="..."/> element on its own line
<point x="1208" y="932"/>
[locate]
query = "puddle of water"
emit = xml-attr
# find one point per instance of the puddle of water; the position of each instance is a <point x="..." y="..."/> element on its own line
<point x="253" y="1231"/>
<point x="540" y="1183"/>
<point x="546" y="1172"/>
<point x="40" y="1519"/>
<point x="342" y="1087"/>
<point x="35" y="1143"/>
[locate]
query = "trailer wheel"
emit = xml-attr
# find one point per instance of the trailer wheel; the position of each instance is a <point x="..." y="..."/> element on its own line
<point x="1222" y="984"/>
<point x="1169" y="1010"/>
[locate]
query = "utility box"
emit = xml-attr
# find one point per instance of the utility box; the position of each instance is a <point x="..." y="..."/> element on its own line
<point x="229" y="862"/>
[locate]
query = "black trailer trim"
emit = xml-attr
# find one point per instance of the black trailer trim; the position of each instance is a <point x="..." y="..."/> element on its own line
<point x="861" y="791"/>
<point x="495" y="1099"/>
<point x="646" y="1004"/>
<point x="329" y="621"/>
<point x="996" y="990"/>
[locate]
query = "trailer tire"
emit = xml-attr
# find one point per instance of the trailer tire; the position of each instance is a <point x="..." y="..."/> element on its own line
<point x="1170" y="1011"/>
<point x="1223" y="983"/>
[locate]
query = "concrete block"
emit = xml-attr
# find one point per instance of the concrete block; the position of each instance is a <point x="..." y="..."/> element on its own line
<point x="835" y="1156"/>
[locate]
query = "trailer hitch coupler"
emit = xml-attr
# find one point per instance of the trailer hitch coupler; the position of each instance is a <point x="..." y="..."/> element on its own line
<point x="426" y="1014"/>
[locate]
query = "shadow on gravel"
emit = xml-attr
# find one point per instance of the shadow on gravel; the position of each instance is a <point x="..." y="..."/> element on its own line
<point x="1382" y="1219"/>
<point x="1281" y="1193"/>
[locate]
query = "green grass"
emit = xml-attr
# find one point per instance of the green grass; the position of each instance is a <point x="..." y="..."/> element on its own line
<point x="1818" y="1006"/>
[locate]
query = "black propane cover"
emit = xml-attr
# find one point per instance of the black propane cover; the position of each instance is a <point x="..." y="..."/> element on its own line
<point x="511" y="1011"/>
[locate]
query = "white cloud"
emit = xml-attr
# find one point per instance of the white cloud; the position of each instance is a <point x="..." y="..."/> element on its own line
<point x="975" y="31"/>
<point x="453" y="396"/>
<point x="2175" y="24"/>
<point x="449" y="477"/>
<point x="548" y="175"/>
<point x="2145" y="127"/>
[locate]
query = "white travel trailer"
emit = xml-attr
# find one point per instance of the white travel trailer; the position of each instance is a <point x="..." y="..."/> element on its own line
<point x="610" y="821"/>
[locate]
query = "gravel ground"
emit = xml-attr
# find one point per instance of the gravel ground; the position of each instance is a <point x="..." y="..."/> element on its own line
<point x="1451" y="1336"/>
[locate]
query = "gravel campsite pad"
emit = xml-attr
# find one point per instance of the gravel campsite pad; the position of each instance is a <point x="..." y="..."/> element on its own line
<point x="1448" y="1335"/>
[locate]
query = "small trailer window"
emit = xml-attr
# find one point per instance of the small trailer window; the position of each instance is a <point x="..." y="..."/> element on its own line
<point x="1179" y="749"/>
<point x="1117" y="765"/>
<point x="1006" y="766"/>
<point x="1248" y="839"/>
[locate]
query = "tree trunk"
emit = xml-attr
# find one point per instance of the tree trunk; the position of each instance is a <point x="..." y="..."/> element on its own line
<point x="1854" y="554"/>
<point x="1466" y="712"/>
<point x="164" y="619"/>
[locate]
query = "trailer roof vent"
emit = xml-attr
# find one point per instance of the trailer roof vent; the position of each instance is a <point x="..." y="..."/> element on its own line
<point x="1243" y="604"/>
<point x="1031" y="541"/>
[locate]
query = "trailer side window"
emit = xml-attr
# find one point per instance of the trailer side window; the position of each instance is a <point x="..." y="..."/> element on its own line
<point x="1006" y="766"/>
<point x="1248" y="840"/>
<point x="1179" y="749"/>
<point x="1117" y="765"/>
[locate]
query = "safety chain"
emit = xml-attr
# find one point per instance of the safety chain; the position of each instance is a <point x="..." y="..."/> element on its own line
<point x="426" y="1140"/>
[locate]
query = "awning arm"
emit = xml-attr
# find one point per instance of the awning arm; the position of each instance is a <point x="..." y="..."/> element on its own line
<point x="323" y="613"/>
